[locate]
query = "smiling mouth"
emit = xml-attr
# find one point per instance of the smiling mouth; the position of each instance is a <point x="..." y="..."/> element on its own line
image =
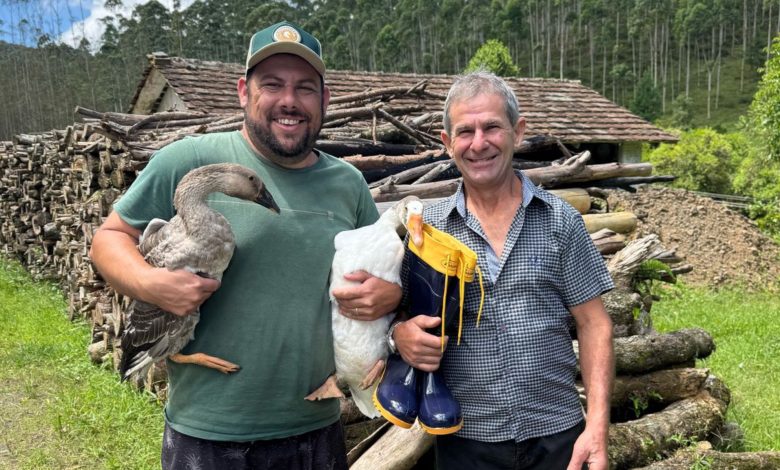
<point x="479" y="160"/>
<point x="288" y="121"/>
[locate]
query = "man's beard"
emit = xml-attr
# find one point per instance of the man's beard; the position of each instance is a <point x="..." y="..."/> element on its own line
<point x="263" y="137"/>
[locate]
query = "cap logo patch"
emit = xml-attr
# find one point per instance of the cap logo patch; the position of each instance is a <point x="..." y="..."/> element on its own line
<point x="286" y="33"/>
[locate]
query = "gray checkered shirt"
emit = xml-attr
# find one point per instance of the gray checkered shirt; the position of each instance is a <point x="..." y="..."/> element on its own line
<point x="514" y="375"/>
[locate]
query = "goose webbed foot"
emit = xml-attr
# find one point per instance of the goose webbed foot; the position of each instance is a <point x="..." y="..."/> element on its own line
<point x="373" y="375"/>
<point x="329" y="389"/>
<point x="205" y="360"/>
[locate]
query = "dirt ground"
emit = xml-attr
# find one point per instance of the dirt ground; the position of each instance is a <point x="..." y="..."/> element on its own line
<point x="724" y="247"/>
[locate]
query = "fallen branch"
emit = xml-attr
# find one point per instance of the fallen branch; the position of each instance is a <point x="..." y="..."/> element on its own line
<point x="638" y="442"/>
<point x="644" y="353"/>
<point x="397" y="449"/>
<point x="702" y="456"/>
<point x="381" y="93"/>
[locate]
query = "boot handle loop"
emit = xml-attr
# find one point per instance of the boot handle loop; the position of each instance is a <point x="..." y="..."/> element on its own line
<point x="444" y="307"/>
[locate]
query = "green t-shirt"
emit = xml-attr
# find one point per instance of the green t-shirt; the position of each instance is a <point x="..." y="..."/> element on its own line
<point x="271" y="315"/>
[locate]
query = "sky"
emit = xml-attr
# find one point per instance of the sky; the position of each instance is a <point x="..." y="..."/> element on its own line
<point x="63" y="20"/>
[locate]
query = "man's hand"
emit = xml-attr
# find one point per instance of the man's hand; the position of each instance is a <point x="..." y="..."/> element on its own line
<point x="179" y="292"/>
<point x="369" y="300"/>
<point x="115" y="253"/>
<point x="417" y="347"/>
<point x="590" y="448"/>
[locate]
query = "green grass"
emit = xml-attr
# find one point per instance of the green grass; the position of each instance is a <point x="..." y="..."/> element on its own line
<point x="747" y="337"/>
<point x="58" y="410"/>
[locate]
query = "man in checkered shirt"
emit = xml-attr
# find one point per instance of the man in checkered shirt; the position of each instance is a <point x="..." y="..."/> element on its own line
<point x="514" y="374"/>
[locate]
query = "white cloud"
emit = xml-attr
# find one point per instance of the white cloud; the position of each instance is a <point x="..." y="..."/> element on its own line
<point x="92" y="28"/>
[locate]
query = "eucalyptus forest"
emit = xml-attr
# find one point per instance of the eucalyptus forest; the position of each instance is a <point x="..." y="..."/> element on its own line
<point x="708" y="68"/>
<point x="669" y="49"/>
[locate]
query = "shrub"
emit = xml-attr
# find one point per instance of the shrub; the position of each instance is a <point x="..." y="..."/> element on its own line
<point x="682" y="112"/>
<point x="701" y="160"/>
<point x="764" y="112"/>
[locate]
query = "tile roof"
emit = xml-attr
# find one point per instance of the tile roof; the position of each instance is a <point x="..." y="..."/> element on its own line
<point x="565" y="109"/>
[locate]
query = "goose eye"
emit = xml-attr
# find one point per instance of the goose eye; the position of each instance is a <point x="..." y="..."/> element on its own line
<point x="251" y="178"/>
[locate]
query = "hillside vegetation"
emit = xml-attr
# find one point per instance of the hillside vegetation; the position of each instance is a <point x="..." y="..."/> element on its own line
<point x="707" y="50"/>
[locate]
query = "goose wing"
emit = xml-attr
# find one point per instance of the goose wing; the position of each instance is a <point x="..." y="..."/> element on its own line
<point x="152" y="334"/>
<point x="206" y="252"/>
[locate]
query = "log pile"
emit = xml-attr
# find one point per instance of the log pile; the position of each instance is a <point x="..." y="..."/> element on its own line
<point x="57" y="187"/>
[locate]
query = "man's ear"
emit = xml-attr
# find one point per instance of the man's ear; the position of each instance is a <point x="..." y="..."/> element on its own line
<point x="325" y="99"/>
<point x="243" y="92"/>
<point x="519" y="131"/>
<point x="446" y="140"/>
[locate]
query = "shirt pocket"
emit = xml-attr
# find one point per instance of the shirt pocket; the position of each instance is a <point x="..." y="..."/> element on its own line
<point x="536" y="269"/>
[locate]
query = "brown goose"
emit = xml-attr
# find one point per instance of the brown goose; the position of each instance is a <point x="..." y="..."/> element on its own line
<point x="197" y="239"/>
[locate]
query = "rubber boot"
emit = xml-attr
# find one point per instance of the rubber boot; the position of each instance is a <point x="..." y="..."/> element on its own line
<point x="403" y="391"/>
<point x="396" y="396"/>
<point x="437" y="275"/>
<point x="436" y="294"/>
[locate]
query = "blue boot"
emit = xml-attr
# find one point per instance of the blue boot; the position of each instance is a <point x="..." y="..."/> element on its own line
<point x="439" y="411"/>
<point x="396" y="396"/>
<point x="434" y="293"/>
<point x="436" y="283"/>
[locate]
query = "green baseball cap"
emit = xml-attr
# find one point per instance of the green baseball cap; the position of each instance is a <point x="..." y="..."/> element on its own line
<point x="285" y="38"/>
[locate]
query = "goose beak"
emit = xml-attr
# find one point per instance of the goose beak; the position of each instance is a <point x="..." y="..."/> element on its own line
<point x="266" y="200"/>
<point x="415" y="228"/>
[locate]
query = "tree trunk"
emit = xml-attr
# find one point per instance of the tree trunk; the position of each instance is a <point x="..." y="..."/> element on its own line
<point x="639" y="442"/>
<point x="661" y="387"/>
<point x="378" y="162"/>
<point x="620" y="222"/>
<point x="347" y="148"/>
<point x="576" y="197"/>
<point x="622" y="305"/>
<point x="744" y="46"/>
<point x="644" y="353"/>
<point x="573" y="170"/>
<point x="702" y="454"/>
<point x="397" y="449"/>
<point x="607" y="241"/>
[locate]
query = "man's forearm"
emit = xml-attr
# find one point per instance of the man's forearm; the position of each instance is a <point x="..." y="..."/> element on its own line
<point x="118" y="260"/>
<point x="597" y="368"/>
<point x="597" y="363"/>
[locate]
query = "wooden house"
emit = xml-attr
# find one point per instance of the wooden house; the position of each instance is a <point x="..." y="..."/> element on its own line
<point x="578" y="116"/>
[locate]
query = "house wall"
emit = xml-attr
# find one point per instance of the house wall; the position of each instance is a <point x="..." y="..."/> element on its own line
<point x="630" y="152"/>
<point x="170" y="101"/>
<point x="153" y="86"/>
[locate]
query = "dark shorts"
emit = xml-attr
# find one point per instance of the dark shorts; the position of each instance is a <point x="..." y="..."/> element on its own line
<point x="315" y="450"/>
<point x="540" y="453"/>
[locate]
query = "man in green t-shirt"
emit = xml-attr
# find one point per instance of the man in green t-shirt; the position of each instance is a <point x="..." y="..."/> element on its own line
<point x="271" y="313"/>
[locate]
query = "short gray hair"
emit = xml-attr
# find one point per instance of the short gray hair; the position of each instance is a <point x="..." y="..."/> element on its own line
<point x="480" y="82"/>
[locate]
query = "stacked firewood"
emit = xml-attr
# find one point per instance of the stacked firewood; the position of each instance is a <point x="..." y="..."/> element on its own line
<point x="56" y="188"/>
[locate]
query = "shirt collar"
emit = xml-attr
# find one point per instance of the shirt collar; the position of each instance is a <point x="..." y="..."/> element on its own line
<point x="458" y="200"/>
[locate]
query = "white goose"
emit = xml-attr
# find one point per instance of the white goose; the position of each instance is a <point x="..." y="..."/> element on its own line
<point x="197" y="239"/>
<point x="359" y="346"/>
